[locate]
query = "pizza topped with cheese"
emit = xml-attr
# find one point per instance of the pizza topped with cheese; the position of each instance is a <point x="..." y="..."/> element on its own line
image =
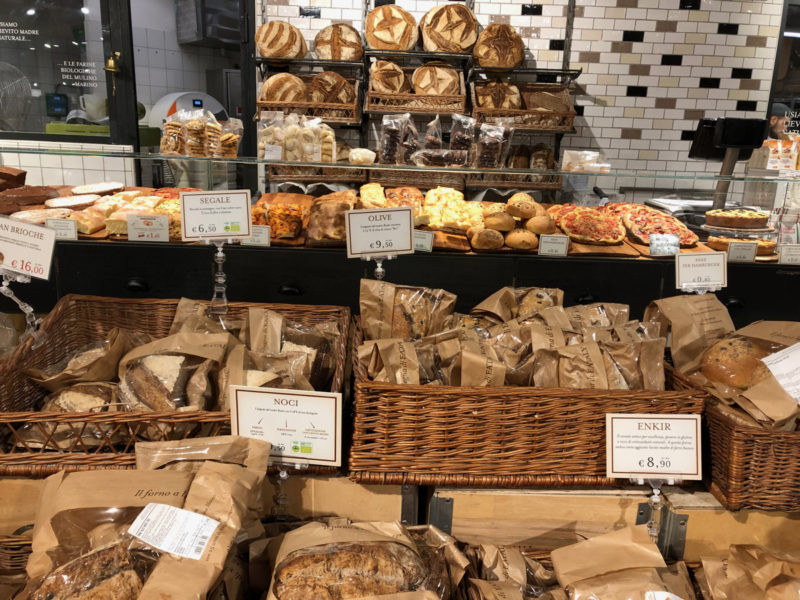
<point x="643" y="221"/>
<point x="590" y="226"/>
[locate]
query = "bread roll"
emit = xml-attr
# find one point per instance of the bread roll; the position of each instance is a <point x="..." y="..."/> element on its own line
<point x="499" y="46"/>
<point x="498" y="94"/>
<point x="280" y="39"/>
<point x="435" y="79"/>
<point x="735" y="362"/>
<point x="499" y="221"/>
<point x="521" y="239"/>
<point x="331" y="87"/>
<point x="339" y="42"/>
<point x="389" y="27"/>
<point x="487" y="239"/>
<point x="387" y="78"/>
<point x="283" y="87"/>
<point x="493" y="207"/>
<point x="541" y="224"/>
<point x="521" y="205"/>
<point x="449" y="28"/>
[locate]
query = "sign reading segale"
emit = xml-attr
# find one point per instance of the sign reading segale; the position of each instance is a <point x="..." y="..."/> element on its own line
<point x="303" y="427"/>
<point x="215" y="215"/>
<point x="26" y="248"/>
<point x="374" y="233"/>
<point x="642" y="446"/>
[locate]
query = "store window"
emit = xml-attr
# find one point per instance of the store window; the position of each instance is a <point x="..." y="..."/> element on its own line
<point x="51" y="68"/>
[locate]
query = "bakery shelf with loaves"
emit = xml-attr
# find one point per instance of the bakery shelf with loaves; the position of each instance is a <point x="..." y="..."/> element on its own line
<point x="380" y="99"/>
<point x="327" y="95"/>
<point x="526" y="106"/>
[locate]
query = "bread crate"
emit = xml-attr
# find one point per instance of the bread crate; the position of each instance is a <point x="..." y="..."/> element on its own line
<point x="329" y="112"/>
<point x="417" y="103"/>
<point x="77" y="321"/>
<point x="528" y="118"/>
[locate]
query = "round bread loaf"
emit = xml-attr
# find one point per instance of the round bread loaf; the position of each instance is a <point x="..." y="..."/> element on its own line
<point x="339" y="42"/>
<point x="449" y="28"/>
<point x="493" y="207"/>
<point x="521" y="205"/>
<point x="283" y="87"/>
<point x="487" y="239"/>
<point x="499" y="221"/>
<point x="534" y="302"/>
<point x="521" y="239"/>
<point x="735" y="362"/>
<point x="435" y="79"/>
<point x="499" y="46"/>
<point x="387" y="78"/>
<point x="541" y="224"/>
<point x="389" y="27"/>
<point x="498" y="94"/>
<point x="331" y="87"/>
<point x="280" y="39"/>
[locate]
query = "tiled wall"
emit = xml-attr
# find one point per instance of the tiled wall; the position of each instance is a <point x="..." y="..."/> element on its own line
<point x="651" y="68"/>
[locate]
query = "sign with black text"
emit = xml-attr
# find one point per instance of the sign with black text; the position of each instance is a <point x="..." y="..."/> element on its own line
<point x="641" y="446"/>
<point x="381" y="232"/>
<point x="25" y="248"/>
<point x="423" y="241"/>
<point x="303" y="427"/>
<point x="148" y="228"/>
<point x="215" y="215"/>
<point x="260" y="236"/>
<point x="553" y="245"/>
<point x="701" y="270"/>
<point x="789" y="254"/>
<point x="742" y="251"/>
<point x="66" y="229"/>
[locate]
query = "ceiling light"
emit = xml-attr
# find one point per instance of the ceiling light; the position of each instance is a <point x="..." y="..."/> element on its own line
<point x="47" y="46"/>
<point x="794" y="34"/>
<point x="74" y="43"/>
<point x="30" y="12"/>
<point x="85" y="10"/>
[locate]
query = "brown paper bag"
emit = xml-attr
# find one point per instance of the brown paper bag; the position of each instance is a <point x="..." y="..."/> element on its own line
<point x="499" y="563"/>
<point x="191" y="316"/>
<point x="480" y="365"/>
<point x="496" y="590"/>
<point x="599" y="314"/>
<point x="20" y="502"/>
<point x="510" y="303"/>
<point x="581" y="366"/>
<point x="390" y="361"/>
<point x="627" y="584"/>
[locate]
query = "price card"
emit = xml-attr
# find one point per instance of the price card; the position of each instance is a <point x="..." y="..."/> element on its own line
<point x="742" y="251"/>
<point x="423" y="241"/>
<point x="789" y="254"/>
<point x="148" y="228"/>
<point x="25" y="248"/>
<point x="642" y="446"/>
<point x="553" y="245"/>
<point x="664" y="244"/>
<point x="785" y="367"/>
<point x="701" y="270"/>
<point x="66" y="229"/>
<point x="272" y="152"/>
<point x="215" y="215"/>
<point x="303" y="427"/>
<point x="382" y="232"/>
<point x="260" y="236"/>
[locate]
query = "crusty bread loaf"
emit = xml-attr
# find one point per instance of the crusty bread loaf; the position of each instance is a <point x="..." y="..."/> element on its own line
<point x="389" y="27"/>
<point x="487" y="239"/>
<point x="435" y="79"/>
<point x="449" y="28"/>
<point x="521" y="205"/>
<point x="498" y="94"/>
<point x="521" y="239"/>
<point x="339" y="42"/>
<point x="283" y="87"/>
<point x="541" y="224"/>
<point x="499" y="46"/>
<point x="280" y="39"/>
<point x="735" y="362"/>
<point x="387" y="78"/>
<point x="499" y="221"/>
<point x="329" y="86"/>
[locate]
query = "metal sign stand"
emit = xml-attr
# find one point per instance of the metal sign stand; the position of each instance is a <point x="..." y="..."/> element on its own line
<point x="31" y="322"/>
<point x="666" y="528"/>
<point x="219" y="299"/>
<point x="380" y="272"/>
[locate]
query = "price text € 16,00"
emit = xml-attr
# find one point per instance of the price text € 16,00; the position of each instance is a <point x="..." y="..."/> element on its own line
<point x="27" y="266"/>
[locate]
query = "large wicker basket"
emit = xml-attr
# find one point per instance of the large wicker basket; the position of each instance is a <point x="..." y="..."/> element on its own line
<point x="491" y="437"/>
<point x="752" y="467"/>
<point x="526" y="118"/>
<point x="423" y="180"/>
<point x="280" y="173"/>
<point x="14" y="552"/>
<point x="77" y="321"/>
<point x="330" y="112"/>
<point x="509" y="181"/>
<point x="417" y="103"/>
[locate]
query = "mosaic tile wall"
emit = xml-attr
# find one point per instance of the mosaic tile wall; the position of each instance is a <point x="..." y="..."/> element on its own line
<point x="651" y="68"/>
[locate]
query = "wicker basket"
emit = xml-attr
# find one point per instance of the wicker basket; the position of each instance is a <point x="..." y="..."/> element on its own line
<point x="752" y="467"/>
<point x="424" y="180"/>
<point x="531" y="120"/>
<point x="511" y="181"/>
<point x="417" y="103"/>
<point x="14" y="552"/>
<point x="316" y="174"/>
<point x="77" y="321"/>
<point x="491" y="437"/>
<point x="330" y="112"/>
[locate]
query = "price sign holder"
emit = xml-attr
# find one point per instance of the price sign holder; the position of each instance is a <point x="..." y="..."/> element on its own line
<point x="379" y="235"/>
<point x="701" y="272"/>
<point x="31" y="322"/>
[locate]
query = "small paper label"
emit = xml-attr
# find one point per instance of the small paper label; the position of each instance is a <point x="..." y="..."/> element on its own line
<point x="174" y="530"/>
<point x="260" y="236"/>
<point x="273" y="152"/>
<point x="641" y="446"/>
<point x="785" y="366"/>
<point x="66" y="229"/>
<point x="148" y="228"/>
<point x="215" y="215"/>
<point x="423" y="241"/>
<point x="664" y="244"/>
<point x="553" y="245"/>
<point x="789" y="254"/>
<point x="742" y="251"/>
<point x="701" y="270"/>
<point x="382" y="232"/>
<point x="26" y="248"/>
<point x="303" y="427"/>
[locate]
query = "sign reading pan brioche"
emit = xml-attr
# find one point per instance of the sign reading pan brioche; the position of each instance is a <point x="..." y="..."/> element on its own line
<point x="389" y="27"/>
<point x="331" y="87"/>
<point x="283" y="87"/>
<point x="280" y="39"/>
<point x="500" y="47"/>
<point x="387" y="78"/>
<point x="435" y="79"/>
<point x="498" y="94"/>
<point x="449" y="28"/>
<point x="339" y="42"/>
